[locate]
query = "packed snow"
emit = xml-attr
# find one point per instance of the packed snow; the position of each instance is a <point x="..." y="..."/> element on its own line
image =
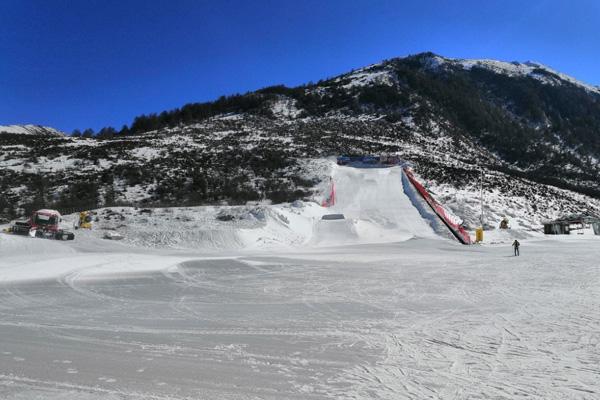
<point x="273" y="302"/>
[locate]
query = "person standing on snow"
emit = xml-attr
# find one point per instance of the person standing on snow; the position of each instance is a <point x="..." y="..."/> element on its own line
<point x="516" y="245"/>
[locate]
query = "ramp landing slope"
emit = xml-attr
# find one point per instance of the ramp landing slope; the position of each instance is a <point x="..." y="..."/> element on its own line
<point x="375" y="206"/>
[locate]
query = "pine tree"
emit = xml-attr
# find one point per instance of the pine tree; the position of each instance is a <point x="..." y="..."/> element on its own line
<point x="88" y="133"/>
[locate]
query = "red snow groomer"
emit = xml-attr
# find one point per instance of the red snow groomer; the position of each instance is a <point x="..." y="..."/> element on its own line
<point x="42" y="224"/>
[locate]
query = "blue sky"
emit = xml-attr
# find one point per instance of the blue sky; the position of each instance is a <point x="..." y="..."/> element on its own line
<point x="93" y="63"/>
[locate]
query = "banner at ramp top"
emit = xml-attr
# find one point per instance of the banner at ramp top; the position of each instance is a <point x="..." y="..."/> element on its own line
<point x="381" y="161"/>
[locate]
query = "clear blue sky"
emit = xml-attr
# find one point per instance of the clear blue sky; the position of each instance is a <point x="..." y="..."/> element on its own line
<point x="92" y="63"/>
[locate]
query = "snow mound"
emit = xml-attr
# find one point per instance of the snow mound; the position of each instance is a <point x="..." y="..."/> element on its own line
<point x="209" y="228"/>
<point x="507" y="236"/>
<point x="24" y="246"/>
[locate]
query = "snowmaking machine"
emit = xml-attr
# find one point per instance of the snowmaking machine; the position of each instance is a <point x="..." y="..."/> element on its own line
<point x="85" y="220"/>
<point x="42" y="224"/>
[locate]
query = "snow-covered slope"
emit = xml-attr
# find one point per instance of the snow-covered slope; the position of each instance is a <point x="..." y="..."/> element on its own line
<point x="533" y="132"/>
<point x="154" y="169"/>
<point x="30" y="130"/>
<point x="421" y="319"/>
<point x="531" y="69"/>
<point x="375" y="207"/>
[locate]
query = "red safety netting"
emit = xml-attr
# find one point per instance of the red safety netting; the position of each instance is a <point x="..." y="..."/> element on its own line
<point x="461" y="234"/>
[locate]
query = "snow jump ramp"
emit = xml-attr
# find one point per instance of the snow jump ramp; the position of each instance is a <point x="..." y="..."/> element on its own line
<point x="379" y="205"/>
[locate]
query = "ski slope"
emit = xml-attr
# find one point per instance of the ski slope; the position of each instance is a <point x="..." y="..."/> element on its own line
<point x="375" y="206"/>
<point x="420" y="319"/>
<point x="280" y="304"/>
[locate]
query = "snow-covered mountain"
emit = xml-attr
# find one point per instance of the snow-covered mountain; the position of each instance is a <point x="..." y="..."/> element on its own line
<point x="534" y="132"/>
<point x="30" y="130"/>
<point x="528" y="69"/>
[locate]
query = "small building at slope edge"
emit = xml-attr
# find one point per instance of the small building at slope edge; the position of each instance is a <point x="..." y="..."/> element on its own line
<point x="577" y="224"/>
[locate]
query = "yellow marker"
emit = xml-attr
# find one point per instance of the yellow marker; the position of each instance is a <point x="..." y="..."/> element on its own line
<point x="85" y="220"/>
<point x="479" y="235"/>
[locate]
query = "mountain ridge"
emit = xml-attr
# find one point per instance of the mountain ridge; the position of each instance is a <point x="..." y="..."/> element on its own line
<point x="30" y="129"/>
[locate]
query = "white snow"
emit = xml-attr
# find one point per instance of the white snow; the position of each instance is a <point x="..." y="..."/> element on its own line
<point x="145" y="153"/>
<point x="375" y="207"/>
<point x="514" y="69"/>
<point x="285" y="107"/>
<point x="30" y="130"/>
<point x="373" y="201"/>
<point x="366" y="77"/>
<point x="277" y="303"/>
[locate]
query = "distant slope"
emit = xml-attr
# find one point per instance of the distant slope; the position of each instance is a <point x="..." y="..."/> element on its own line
<point x="30" y="130"/>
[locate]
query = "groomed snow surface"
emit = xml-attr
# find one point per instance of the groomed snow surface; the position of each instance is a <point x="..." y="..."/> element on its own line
<point x="271" y="302"/>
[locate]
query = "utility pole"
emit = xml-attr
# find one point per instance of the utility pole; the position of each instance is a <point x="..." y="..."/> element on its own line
<point x="481" y="198"/>
<point x="479" y="231"/>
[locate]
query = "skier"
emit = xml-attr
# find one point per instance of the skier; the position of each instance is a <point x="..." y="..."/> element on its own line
<point x="516" y="245"/>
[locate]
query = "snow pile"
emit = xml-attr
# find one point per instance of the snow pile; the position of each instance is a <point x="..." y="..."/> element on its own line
<point x="24" y="258"/>
<point x="209" y="228"/>
<point x="17" y="247"/>
<point x="507" y="236"/>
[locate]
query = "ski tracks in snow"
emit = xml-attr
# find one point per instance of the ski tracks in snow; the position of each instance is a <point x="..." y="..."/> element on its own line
<point x="529" y="329"/>
<point x="422" y="322"/>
